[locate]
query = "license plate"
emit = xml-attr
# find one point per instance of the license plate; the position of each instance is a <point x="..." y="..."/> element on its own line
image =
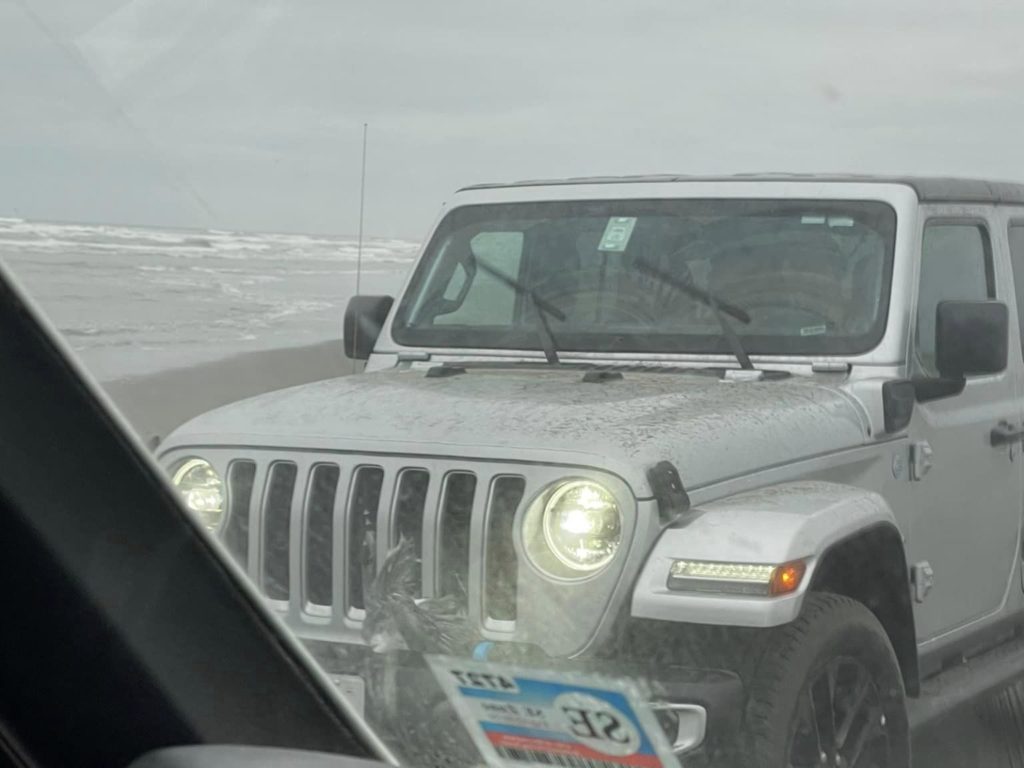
<point x="353" y="689"/>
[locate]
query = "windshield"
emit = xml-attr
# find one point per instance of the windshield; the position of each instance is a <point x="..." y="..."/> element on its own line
<point x="808" y="277"/>
<point x="732" y="444"/>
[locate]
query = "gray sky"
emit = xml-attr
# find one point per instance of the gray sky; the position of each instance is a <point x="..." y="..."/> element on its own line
<point x="247" y="113"/>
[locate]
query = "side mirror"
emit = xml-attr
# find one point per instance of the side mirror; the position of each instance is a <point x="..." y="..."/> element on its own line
<point x="898" y="397"/>
<point x="971" y="338"/>
<point x="364" y="317"/>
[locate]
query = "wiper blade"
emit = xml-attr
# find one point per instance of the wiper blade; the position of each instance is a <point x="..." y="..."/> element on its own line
<point x="691" y="290"/>
<point x="541" y="307"/>
<point x="718" y="307"/>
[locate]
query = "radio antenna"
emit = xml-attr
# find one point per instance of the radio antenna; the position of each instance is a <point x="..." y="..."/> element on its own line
<point x="362" y="207"/>
<point x="359" y="238"/>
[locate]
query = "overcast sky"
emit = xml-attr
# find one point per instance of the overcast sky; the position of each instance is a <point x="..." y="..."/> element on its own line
<point x="247" y="114"/>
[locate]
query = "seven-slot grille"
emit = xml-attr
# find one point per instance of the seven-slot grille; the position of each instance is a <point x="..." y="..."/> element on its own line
<point x="300" y="528"/>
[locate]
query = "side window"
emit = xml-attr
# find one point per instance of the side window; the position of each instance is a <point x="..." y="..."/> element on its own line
<point x="956" y="263"/>
<point x="1017" y="259"/>
<point x="488" y="301"/>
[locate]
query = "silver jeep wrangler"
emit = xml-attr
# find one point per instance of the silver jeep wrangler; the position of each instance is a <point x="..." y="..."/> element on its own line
<point x="754" y="440"/>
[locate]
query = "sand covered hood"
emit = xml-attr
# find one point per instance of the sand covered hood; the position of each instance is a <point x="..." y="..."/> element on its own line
<point x="708" y="427"/>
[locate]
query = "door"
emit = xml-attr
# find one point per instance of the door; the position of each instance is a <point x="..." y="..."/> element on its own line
<point x="1015" y="234"/>
<point x="966" y="505"/>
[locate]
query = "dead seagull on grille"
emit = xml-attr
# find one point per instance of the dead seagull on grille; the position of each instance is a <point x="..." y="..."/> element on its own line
<point x="396" y="620"/>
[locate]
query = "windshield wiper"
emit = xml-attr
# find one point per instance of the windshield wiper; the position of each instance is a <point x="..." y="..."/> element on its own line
<point x="541" y="307"/>
<point x="718" y="307"/>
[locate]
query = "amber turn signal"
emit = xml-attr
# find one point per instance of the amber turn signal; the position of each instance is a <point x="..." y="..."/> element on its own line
<point x="786" y="578"/>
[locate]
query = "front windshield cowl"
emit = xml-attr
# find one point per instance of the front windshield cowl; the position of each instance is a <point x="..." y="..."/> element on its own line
<point x="640" y="362"/>
<point x="811" y="276"/>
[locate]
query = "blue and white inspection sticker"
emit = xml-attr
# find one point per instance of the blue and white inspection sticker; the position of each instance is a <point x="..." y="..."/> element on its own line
<point x="518" y="717"/>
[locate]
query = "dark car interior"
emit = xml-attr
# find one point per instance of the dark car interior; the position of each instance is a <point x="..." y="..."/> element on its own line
<point x="123" y="631"/>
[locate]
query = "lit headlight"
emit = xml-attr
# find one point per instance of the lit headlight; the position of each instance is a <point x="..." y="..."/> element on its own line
<point x="580" y="529"/>
<point x="202" y="489"/>
<point x="736" y="578"/>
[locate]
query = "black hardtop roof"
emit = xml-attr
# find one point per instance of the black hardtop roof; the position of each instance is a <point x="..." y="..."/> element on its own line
<point x="929" y="189"/>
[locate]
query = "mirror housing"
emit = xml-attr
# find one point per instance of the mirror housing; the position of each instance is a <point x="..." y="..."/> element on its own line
<point x="898" y="398"/>
<point x="971" y="338"/>
<point x="364" y="318"/>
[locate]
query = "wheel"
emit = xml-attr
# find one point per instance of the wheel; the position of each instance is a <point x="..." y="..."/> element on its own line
<point x="827" y="691"/>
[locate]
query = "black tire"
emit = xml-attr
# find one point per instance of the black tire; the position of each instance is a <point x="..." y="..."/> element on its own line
<point x="834" y="660"/>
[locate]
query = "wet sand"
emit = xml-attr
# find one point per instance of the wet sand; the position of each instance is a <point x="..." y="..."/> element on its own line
<point x="965" y="740"/>
<point x="157" y="403"/>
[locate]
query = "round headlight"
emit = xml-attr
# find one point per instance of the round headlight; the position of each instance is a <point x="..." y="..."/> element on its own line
<point x="202" y="489"/>
<point x="582" y="525"/>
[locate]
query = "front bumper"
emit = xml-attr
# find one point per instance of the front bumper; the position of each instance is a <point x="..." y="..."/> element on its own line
<point x="699" y="709"/>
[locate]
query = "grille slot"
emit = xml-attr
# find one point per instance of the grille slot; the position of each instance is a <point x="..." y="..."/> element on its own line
<point x="361" y="549"/>
<point x="453" y="534"/>
<point x="241" y="475"/>
<point x="410" y="501"/>
<point x="323" y="488"/>
<point x="277" y="513"/>
<point x="501" y="566"/>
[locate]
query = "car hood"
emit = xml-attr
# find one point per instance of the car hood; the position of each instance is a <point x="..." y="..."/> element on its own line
<point x="708" y="427"/>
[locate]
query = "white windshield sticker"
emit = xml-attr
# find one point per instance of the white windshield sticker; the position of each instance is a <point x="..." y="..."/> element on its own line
<point x="813" y="330"/>
<point x="617" y="233"/>
<point x="519" y="717"/>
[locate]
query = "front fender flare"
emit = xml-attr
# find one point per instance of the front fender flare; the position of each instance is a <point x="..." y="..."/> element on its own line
<point x="772" y="525"/>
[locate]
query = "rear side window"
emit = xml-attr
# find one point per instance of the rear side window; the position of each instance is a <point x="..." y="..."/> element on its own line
<point x="956" y="263"/>
<point x="1017" y="259"/>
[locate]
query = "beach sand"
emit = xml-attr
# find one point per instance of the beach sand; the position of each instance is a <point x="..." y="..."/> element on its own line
<point x="156" y="403"/>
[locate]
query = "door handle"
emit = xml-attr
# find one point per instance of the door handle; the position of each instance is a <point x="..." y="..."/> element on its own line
<point x="1005" y="433"/>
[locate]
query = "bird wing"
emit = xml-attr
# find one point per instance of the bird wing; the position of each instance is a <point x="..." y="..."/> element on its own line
<point x="397" y="573"/>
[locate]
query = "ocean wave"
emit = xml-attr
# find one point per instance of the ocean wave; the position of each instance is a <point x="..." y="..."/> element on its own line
<point x="117" y="293"/>
<point x="297" y="308"/>
<point x="31" y="234"/>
